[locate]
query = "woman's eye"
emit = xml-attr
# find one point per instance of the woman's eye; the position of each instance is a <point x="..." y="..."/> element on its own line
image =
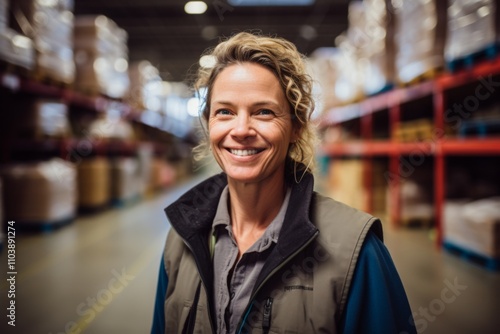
<point x="222" y="112"/>
<point x="266" y="112"/>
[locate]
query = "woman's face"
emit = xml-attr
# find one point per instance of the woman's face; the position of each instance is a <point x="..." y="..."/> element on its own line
<point x="250" y="126"/>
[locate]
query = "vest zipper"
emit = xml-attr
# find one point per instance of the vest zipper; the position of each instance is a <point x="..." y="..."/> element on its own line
<point x="240" y="325"/>
<point x="266" y="321"/>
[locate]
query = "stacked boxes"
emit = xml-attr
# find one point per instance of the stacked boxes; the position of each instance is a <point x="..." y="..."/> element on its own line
<point x="50" y="25"/>
<point x="40" y="193"/>
<point x="101" y="57"/>
<point x="14" y="48"/>
<point x="346" y="182"/>
<point x="471" y="27"/>
<point x="473" y="226"/>
<point x="322" y="67"/>
<point x="420" y="37"/>
<point x="41" y="118"/>
<point x="144" y="81"/>
<point x="125" y="179"/>
<point x="377" y="51"/>
<point x="94" y="183"/>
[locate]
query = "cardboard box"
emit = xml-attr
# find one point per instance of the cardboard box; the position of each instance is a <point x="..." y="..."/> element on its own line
<point x="144" y="81"/>
<point x="125" y="178"/>
<point x="43" y="192"/>
<point x="94" y="183"/>
<point x="346" y="182"/>
<point x="101" y="57"/>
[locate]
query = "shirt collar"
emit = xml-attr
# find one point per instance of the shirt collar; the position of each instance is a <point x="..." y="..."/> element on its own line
<point x="272" y="232"/>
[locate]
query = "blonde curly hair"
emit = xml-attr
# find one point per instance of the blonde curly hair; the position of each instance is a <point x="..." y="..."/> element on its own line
<point x="283" y="59"/>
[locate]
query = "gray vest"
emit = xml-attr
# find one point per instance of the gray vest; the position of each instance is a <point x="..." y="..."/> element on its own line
<point x="304" y="290"/>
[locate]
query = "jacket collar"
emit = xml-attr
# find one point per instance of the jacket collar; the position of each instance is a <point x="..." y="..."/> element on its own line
<point x="192" y="216"/>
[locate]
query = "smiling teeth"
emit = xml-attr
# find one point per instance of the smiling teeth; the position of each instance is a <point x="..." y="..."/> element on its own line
<point x="243" y="153"/>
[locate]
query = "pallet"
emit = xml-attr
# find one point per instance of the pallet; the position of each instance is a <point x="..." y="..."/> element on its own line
<point x="90" y="210"/>
<point x="414" y="131"/>
<point x="9" y="68"/>
<point x="488" y="53"/>
<point x="430" y="74"/>
<point x="481" y="128"/>
<point x="490" y="263"/>
<point x="43" y="226"/>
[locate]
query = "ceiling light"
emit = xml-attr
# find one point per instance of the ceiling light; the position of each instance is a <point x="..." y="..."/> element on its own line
<point x="271" y="2"/>
<point x="195" y="7"/>
<point x="207" y="61"/>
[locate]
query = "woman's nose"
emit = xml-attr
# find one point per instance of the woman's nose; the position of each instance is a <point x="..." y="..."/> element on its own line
<point x="243" y="127"/>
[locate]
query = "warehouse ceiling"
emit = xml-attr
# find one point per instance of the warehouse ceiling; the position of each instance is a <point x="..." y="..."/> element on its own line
<point x="161" y="32"/>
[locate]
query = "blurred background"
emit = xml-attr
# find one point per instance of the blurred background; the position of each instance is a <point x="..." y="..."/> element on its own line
<point x="98" y="120"/>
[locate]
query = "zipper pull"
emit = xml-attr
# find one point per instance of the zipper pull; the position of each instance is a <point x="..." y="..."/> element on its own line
<point x="266" y="321"/>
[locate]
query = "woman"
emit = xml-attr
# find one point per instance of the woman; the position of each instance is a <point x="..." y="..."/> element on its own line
<point x="255" y="249"/>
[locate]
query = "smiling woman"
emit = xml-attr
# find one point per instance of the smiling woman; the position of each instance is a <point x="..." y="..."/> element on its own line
<point x="245" y="253"/>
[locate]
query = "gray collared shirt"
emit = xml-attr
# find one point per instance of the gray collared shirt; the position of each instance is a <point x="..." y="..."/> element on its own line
<point x="234" y="280"/>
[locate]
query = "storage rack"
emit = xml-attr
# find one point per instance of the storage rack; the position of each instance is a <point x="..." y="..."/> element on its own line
<point x="11" y="83"/>
<point x="438" y="94"/>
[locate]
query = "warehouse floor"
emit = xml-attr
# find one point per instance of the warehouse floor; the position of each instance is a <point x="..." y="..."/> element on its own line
<point x="98" y="275"/>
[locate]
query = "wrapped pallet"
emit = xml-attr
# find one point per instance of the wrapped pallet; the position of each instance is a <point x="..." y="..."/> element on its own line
<point x="420" y="34"/>
<point x="40" y="118"/>
<point x="377" y="53"/>
<point x="473" y="225"/>
<point x="101" y="57"/>
<point x="471" y="27"/>
<point x="94" y="184"/>
<point x="125" y="179"/>
<point x="40" y="193"/>
<point x="322" y="67"/>
<point x="50" y="25"/>
<point x="4" y="14"/>
<point x="16" y="49"/>
<point x="144" y="78"/>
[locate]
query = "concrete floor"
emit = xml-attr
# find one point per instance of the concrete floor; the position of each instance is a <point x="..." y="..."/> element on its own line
<point x="98" y="275"/>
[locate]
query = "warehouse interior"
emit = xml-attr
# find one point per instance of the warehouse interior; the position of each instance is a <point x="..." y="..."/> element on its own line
<point x="99" y="119"/>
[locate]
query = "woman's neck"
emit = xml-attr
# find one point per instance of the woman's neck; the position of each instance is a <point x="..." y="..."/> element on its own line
<point x="253" y="207"/>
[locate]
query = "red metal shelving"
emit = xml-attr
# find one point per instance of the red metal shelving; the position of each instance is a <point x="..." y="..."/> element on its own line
<point x="438" y="148"/>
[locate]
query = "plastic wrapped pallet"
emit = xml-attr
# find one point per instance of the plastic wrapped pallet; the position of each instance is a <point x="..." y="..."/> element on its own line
<point x="40" y="193"/>
<point x="94" y="184"/>
<point x="40" y="118"/>
<point x="125" y="178"/>
<point x="378" y="51"/>
<point x="420" y="34"/>
<point x="50" y="25"/>
<point x="144" y="79"/>
<point x="473" y="226"/>
<point x="101" y="57"/>
<point x="4" y="14"/>
<point x="471" y="27"/>
<point x="16" y="49"/>
<point x="322" y="67"/>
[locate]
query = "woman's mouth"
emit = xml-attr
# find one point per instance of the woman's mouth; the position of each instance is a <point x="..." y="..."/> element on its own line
<point x="244" y="153"/>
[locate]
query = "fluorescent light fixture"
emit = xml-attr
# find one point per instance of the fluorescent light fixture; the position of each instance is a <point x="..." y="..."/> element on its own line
<point x="195" y="7"/>
<point x="271" y="2"/>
